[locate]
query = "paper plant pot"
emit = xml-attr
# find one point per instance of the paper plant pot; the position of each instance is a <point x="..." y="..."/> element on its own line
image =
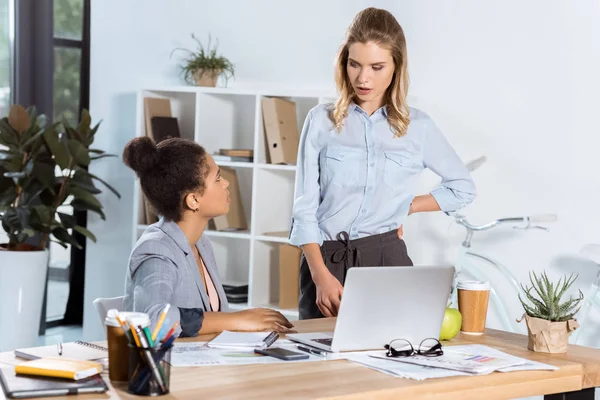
<point x="206" y="77"/>
<point x="549" y="337"/>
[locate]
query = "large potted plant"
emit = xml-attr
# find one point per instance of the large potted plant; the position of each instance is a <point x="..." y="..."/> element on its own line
<point x="42" y="167"/>
<point x="204" y="66"/>
<point x="549" y="320"/>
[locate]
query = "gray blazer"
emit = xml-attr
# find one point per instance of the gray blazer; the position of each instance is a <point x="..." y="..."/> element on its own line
<point x="162" y="269"/>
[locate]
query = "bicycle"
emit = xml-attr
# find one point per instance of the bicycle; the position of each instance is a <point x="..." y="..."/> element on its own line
<point x="465" y="266"/>
<point x="591" y="298"/>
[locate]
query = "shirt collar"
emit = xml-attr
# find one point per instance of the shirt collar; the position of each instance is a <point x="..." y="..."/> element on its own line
<point x="355" y="107"/>
<point x="174" y="232"/>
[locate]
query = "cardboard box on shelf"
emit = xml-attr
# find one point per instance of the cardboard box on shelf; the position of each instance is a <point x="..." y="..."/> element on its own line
<point x="235" y="219"/>
<point x="281" y="130"/>
<point x="289" y="276"/>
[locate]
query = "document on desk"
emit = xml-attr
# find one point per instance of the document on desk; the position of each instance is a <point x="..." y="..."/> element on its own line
<point x="472" y="359"/>
<point x="197" y="354"/>
<point x="528" y="365"/>
<point x="401" y="370"/>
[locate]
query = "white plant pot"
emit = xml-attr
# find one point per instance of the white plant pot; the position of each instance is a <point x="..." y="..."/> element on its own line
<point x="22" y="281"/>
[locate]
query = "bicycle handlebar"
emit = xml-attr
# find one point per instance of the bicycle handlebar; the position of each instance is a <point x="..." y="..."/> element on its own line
<point x="525" y="222"/>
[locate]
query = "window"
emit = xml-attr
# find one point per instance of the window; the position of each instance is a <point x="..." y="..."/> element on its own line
<point x="70" y="94"/>
<point x="6" y="40"/>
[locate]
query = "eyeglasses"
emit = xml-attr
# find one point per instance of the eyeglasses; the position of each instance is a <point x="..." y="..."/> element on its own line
<point x="429" y="347"/>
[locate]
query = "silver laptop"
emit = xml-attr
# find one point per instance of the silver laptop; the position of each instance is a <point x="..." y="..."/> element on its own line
<point x="380" y="304"/>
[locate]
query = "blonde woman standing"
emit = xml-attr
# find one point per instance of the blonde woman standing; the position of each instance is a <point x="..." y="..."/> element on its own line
<point x="358" y="165"/>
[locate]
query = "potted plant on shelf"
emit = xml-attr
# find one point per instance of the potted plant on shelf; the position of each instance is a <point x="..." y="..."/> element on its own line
<point x="42" y="167"/>
<point x="549" y="321"/>
<point x="204" y="66"/>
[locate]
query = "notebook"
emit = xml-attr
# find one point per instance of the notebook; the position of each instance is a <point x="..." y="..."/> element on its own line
<point x="22" y="386"/>
<point x="56" y="367"/>
<point x="76" y="350"/>
<point x="243" y="340"/>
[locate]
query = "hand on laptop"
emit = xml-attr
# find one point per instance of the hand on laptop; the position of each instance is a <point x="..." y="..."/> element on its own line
<point x="329" y="293"/>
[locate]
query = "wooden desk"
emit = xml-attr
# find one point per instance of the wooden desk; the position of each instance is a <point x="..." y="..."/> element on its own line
<point x="579" y="369"/>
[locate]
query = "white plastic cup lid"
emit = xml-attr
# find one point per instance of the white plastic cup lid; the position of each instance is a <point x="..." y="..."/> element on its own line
<point x="111" y="318"/>
<point x="474" y="285"/>
<point x="140" y="318"/>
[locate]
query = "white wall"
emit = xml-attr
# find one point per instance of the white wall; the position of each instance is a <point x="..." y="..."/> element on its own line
<point x="516" y="81"/>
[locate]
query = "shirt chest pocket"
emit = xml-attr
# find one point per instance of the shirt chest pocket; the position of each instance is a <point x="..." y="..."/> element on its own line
<point x="345" y="166"/>
<point x="401" y="169"/>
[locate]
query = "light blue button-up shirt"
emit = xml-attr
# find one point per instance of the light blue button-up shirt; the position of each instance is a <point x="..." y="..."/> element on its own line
<point x="362" y="180"/>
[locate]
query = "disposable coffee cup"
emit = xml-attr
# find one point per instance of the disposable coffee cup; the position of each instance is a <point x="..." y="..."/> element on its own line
<point x="473" y="299"/>
<point x="118" y="351"/>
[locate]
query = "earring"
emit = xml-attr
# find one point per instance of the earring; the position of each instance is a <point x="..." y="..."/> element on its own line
<point x="196" y="209"/>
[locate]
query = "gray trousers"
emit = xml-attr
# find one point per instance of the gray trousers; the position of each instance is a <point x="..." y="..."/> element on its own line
<point x="383" y="250"/>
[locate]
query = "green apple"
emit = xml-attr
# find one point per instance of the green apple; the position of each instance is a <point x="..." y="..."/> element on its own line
<point x="451" y="324"/>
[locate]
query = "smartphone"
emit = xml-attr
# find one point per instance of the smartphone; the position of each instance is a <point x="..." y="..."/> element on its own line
<point x="282" y="354"/>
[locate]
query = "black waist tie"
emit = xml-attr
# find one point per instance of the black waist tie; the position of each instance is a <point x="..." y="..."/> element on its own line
<point x="340" y="255"/>
<point x="349" y="254"/>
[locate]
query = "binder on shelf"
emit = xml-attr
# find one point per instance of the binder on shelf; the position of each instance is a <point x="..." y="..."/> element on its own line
<point x="155" y="107"/>
<point x="281" y="130"/>
<point x="289" y="276"/>
<point x="235" y="219"/>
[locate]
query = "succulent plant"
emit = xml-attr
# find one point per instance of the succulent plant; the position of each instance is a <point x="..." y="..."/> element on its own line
<point x="548" y="303"/>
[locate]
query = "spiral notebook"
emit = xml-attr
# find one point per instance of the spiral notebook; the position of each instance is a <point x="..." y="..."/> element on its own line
<point x="76" y="350"/>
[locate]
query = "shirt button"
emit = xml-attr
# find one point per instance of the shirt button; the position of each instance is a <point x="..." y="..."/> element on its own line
<point x="363" y="211"/>
<point x="354" y="229"/>
<point x="372" y="164"/>
<point x="369" y="188"/>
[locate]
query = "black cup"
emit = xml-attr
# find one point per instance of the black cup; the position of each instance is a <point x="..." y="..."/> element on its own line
<point x="149" y="371"/>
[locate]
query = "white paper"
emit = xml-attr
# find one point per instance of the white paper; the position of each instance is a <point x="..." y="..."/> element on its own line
<point x="199" y="354"/>
<point x="401" y="370"/>
<point x="239" y="340"/>
<point x="527" y="366"/>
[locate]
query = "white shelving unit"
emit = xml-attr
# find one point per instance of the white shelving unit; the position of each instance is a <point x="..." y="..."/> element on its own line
<point x="228" y="118"/>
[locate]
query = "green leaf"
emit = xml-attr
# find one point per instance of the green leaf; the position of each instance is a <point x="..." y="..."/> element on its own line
<point x="8" y="136"/>
<point x="107" y="185"/>
<point x="44" y="173"/>
<point x="85" y="233"/>
<point x="63" y="235"/>
<point x="8" y="155"/>
<point x="57" y="147"/>
<point x="96" y="151"/>
<point x="83" y="206"/>
<point x="29" y="142"/>
<point x="84" y="123"/>
<point x="83" y="180"/>
<point x="79" y="153"/>
<point x="60" y="243"/>
<point x="103" y="156"/>
<point x="85" y="196"/>
<point x="15" y="175"/>
<point x="44" y="213"/>
<point x="67" y="220"/>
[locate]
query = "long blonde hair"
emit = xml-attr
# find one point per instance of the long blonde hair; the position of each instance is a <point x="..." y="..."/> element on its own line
<point x="379" y="26"/>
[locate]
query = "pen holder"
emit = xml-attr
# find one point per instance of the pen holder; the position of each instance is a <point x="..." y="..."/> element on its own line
<point x="149" y="371"/>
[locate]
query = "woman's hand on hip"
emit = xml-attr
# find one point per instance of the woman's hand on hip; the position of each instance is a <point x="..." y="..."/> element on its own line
<point x="329" y="293"/>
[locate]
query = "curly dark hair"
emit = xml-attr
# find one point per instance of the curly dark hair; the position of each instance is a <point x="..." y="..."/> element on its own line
<point x="167" y="171"/>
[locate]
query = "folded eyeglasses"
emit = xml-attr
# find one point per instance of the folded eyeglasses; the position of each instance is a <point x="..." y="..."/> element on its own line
<point x="429" y="347"/>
